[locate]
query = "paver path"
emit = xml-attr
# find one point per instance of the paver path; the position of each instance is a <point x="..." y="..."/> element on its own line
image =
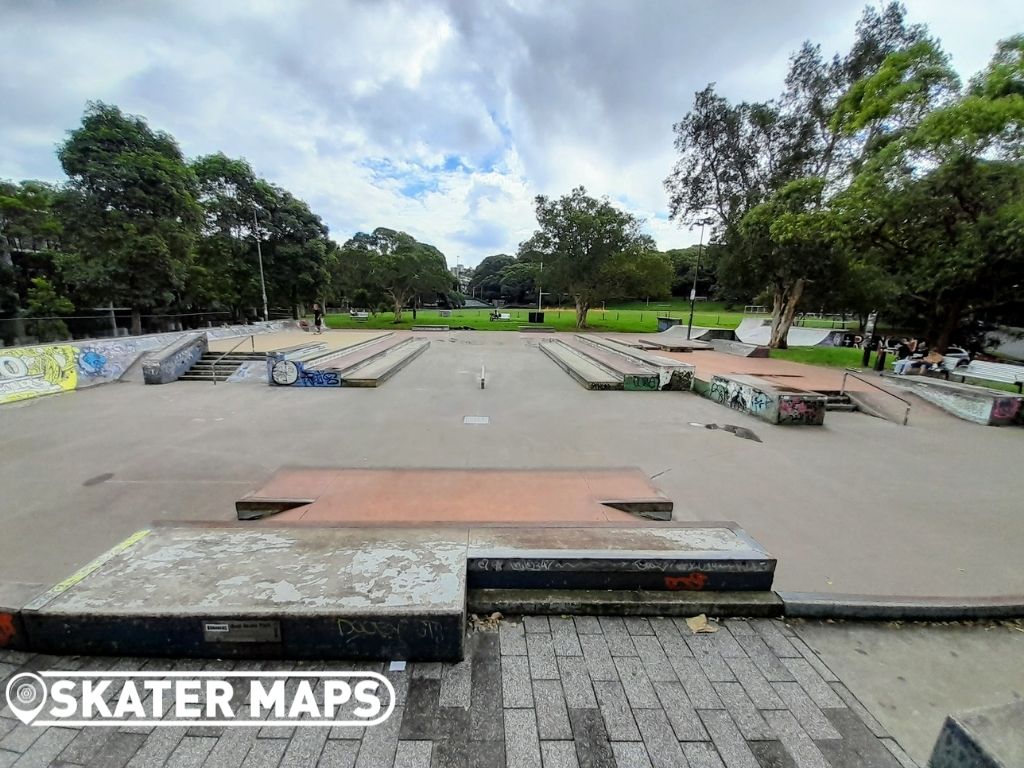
<point x="555" y="692"/>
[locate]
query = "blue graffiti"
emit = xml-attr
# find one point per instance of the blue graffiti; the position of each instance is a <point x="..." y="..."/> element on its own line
<point x="318" y="379"/>
<point x="92" y="362"/>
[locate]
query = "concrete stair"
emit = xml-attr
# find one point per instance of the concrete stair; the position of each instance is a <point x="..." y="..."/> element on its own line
<point x="217" y="366"/>
<point x="838" y="402"/>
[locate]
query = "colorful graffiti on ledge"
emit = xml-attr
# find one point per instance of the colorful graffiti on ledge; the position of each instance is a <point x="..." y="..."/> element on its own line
<point x="33" y="371"/>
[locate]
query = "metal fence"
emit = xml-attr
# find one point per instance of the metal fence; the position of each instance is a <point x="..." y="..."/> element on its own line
<point x="103" y="324"/>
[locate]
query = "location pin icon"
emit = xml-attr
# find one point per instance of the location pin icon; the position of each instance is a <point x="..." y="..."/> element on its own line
<point x="26" y="695"/>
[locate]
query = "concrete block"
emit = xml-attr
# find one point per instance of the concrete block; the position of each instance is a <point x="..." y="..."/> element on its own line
<point x="992" y="737"/>
<point x="774" y="403"/>
<point x="298" y="593"/>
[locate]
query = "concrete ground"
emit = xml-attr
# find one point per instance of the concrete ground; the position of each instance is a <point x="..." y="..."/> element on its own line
<point x="860" y="505"/>
<point x="910" y="676"/>
<point x="564" y="692"/>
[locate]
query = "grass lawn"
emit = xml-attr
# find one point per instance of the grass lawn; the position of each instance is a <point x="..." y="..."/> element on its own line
<point x="634" y="317"/>
<point x="833" y="357"/>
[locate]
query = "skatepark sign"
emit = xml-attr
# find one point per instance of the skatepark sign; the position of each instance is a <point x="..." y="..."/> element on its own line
<point x="223" y="699"/>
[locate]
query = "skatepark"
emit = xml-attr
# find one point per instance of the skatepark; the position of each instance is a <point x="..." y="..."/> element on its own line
<point x="483" y="478"/>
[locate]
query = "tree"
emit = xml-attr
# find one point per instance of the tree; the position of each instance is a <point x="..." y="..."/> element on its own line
<point x="131" y="214"/>
<point x="943" y="202"/>
<point x="586" y="247"/>
<point x="45" y="303"/>
<point x="487" y="275"/>
<point x="518" y="280"/>
<point x="731" y="156"/>
<point x="296" y="250"/>
<point x="787" y="242"/>
<point x="225" y="272"/>
<point x="396" y="265"/>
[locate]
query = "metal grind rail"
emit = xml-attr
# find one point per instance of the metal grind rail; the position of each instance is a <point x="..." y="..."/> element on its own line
<point x="856" y="374"/>
<point x="252" y="341"/>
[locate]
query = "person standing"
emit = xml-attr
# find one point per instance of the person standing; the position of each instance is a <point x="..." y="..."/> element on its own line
<point x="318" y="318"/>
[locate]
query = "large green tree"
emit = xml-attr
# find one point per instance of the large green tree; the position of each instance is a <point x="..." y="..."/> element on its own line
<point x="395" y="265"/>
<point x="131" y="213"/>
<point x="787" y="241"/>
<point x="943" y="202"/>
<point x="487" y="275"/>
<point x="591" y="251"/>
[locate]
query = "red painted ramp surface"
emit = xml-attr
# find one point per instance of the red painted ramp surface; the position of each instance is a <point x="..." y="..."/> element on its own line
<point x="374" y="496"/>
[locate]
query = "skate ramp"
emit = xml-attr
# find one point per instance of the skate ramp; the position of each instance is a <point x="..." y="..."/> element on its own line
<point x="754" y="330"/>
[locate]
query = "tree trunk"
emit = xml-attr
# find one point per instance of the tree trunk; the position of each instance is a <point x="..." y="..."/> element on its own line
<point x="783" y="310"/>
<point x="945" y="326"/>
<point x="398" y="302"/>
<point x="136" y="321"/>
<point x="581" y="312"/>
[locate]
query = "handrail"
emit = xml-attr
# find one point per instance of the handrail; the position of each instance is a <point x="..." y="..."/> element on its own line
<point x="856" y="374"/>
<point x="213" y="369"/>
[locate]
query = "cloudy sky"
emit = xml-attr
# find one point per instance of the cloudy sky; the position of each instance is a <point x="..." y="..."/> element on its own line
<point x="440" y="117"/>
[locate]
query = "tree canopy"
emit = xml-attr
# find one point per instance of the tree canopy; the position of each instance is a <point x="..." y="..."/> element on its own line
<point x="592" y="251"/>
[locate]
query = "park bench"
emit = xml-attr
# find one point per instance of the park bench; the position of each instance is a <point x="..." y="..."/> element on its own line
<point x="985" y="371"/>
<point x="501" y="316"/>
<point x="359" y="315"/>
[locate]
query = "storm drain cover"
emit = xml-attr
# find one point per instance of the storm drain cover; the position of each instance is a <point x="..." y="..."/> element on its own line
<point x="476" y="420"/>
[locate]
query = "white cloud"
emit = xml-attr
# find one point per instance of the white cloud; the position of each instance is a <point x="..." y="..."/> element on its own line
<point x="443" y="117"/>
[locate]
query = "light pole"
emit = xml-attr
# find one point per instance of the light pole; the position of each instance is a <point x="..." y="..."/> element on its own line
<point x="540" y="294"/>
<point x="259" y="255"/>
<point x="693" y="290"/>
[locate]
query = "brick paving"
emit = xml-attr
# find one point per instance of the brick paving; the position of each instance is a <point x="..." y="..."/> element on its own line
<point x="537" y="693"/>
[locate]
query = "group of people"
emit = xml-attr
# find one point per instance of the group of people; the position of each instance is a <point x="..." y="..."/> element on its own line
<point x="912" y="356"/>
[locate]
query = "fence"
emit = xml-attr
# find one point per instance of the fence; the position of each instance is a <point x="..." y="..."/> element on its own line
<point x="102" y="325"/>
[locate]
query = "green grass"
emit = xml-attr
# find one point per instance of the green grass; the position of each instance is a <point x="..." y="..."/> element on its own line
<point x="633" y="317"/>
<point x="832" y="357"/>
<point x="612" y="320"/>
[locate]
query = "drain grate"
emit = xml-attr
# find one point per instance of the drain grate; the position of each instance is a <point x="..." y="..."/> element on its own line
<point x="476" y="420"/>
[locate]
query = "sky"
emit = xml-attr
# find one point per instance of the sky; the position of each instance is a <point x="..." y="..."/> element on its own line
<point x="442" y="118"/>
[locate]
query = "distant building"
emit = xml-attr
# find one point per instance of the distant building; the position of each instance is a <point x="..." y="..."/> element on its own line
<point x="463" y="275"/>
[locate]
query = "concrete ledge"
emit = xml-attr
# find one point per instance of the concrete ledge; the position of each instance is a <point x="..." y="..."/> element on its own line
<point x="13" y="597"/>
<point x="430" y="328"/>
<point x="168" y="364"/>
<point x="992" y="737"/>
<point x="822" y="605"/>
<point x="991" y="407"/>
<point x="587" y="372"/>
<point x="375" y="372"/>
<point x="623" y="602"/>
<point x="774" y="403"/>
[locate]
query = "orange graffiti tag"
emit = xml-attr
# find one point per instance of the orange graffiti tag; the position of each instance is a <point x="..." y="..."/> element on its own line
<point x="6" y="629"/>
<point x="695" y="580"/>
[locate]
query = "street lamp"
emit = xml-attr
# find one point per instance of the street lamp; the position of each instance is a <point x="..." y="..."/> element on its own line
<point x="259" y="255"/>
<point x="693" y="290"/>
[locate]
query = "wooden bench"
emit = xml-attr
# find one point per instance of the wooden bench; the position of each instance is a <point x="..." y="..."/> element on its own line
<point x="1001" y="372"/>
<point x="359" y="315"/>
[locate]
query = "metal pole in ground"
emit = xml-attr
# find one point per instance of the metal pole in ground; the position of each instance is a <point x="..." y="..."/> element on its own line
<point x="259" y="255"/>
<point x="693" y="290"/>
